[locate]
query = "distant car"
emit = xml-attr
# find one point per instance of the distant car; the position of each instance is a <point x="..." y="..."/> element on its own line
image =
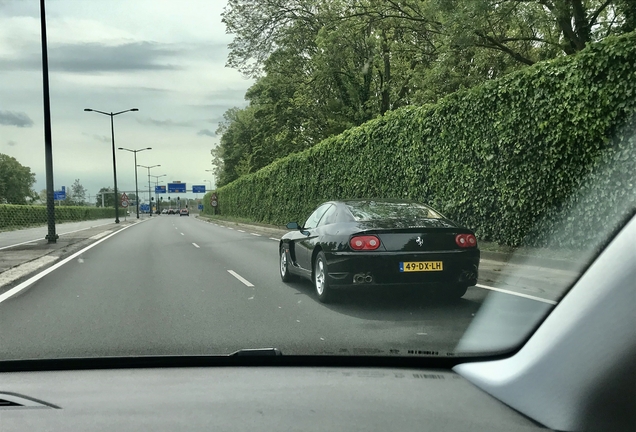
<point x="170" y="211"/>
<point x="184" y="212"/>
<point x="380" y="243"/>
<point x="164" y="211"/>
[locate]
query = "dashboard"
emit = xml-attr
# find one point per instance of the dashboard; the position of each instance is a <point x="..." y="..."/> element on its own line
<point x="258" y="398"/>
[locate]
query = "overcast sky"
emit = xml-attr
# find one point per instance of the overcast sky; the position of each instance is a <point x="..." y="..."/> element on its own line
<point x="165" y="57"/>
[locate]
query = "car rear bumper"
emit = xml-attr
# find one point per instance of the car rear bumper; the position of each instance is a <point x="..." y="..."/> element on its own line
<point x="350" y="269"/>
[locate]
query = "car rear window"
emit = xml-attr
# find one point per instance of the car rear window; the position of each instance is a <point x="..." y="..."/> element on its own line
<point x="374" y="210"/>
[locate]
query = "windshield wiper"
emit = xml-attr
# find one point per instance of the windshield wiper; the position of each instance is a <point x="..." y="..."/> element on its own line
<point x="257" y="352"/>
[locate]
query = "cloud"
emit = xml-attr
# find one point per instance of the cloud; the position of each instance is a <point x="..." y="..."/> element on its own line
<point x="11" y="143"/>
<point x="97" y="57"/>
<point x="162" y="123"/>
<point x="12" y="118"/>
<point x="206" y="132"/>
<point x="100" y="138"/>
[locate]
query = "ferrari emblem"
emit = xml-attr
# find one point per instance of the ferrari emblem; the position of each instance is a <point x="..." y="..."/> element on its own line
<point x="419" y="241"/>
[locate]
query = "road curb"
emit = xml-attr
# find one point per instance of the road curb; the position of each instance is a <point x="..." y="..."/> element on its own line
<point x="535" y="261"/>
<point x="279" y="232"/>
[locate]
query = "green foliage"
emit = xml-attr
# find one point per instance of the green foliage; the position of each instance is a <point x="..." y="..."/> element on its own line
<point x="506" y="158"/>
<point x="16" y="181"/>
<point x="324" y="66"/>
<point x="20" y="216"/>
<point x="109" y="197"/>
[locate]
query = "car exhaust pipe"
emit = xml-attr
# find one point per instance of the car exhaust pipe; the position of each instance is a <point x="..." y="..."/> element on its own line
<point x="361" y="278"/>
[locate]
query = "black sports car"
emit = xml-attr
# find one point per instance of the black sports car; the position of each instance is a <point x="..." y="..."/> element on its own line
<point x="380" y="242"/>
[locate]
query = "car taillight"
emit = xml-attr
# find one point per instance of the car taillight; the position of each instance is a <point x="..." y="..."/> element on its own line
<point x="364" y="243"/>
<point x="465" y="240"/>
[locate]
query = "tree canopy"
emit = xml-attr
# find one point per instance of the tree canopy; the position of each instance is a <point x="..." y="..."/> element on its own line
<point x="324" y="66"/>
<point x="16" y="181"/>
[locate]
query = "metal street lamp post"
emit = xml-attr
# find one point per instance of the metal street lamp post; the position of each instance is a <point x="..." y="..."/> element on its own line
<point x="112" y="132"/>
<point x="48" y="142"/>
<point x="214" y="177"/>
<point x="149" y="192"/>
<point x="157" y="184"/>
<point x="136" y="186"/>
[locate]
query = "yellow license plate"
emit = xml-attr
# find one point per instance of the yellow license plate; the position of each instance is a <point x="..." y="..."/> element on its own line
<point x="421" y="266"/>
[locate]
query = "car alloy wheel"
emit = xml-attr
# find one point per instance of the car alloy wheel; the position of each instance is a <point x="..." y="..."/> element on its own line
<point x="284" y="266"/>
<point x="321" y="281"/>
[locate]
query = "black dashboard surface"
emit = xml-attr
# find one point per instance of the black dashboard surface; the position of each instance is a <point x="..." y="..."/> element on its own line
<point x="252" y="398"/>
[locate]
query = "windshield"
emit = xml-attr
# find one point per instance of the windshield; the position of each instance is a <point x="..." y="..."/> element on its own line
<point x="153" y="153"/>
<point x="372" y="210"/>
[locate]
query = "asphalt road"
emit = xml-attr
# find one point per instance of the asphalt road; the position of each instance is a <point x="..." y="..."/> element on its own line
<point x="172" y="285"/>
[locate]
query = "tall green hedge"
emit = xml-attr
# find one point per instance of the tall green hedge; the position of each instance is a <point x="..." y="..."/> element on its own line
<point x="20" y="216"/>
<point x="506" y="158"/>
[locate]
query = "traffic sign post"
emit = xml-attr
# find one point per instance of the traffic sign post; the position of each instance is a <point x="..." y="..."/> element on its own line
<point x="124" y="204"/>
<point x="176" y="187"/>
<point x="198" y="188"/>
<point x="214" y="202"/>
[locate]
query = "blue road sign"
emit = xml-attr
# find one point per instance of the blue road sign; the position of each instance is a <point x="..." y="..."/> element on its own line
<point x="200" y="206"/>
<point x="144" y="207"/>
<point x="198" y="189"/>
<point x="160" y="189"/>
<point x="59" y="195"/>
<point x="176" y="187"/>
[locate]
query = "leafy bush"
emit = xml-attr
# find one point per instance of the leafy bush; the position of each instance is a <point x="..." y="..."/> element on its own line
<point x="19" y="216"/>
<point x="506" y="158"/>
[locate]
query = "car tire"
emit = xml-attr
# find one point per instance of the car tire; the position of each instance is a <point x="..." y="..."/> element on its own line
<point x="321" y="279"/>
<point x="283" y="267"/>
<point x="456" y="292"/>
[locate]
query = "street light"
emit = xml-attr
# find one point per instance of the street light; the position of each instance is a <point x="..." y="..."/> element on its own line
<point x="149" y="193"/>
<point x="157" y="184"/>
<point x="51" y="237"/>
<point x="209" y="181"/>
<point x="136" y="186"/>
<point x="112" y="131"/>
<point x="213" y="176"/>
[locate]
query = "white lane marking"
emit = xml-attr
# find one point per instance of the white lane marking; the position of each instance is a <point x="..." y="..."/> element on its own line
<point x="100" y="235"/>
<point x="254" y="234"/>
<point x="240" y="231"/>
<point x="229" y="228"/>
<point x="176" y="228"/>
<point x="539" y="299"/>
<point x="241" y="278"/>
<point x="13" y="291"/>
<point x="274" y="238"/>
<point x="182" y="234"/>
<point x="17" y="272"/>
<point x="196" y="245"/>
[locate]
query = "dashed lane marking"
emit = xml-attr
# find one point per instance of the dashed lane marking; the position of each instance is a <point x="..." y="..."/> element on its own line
<point x="241" y="278"/>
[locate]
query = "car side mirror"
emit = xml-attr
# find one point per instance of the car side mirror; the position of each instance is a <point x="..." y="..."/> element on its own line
<point x="293" y="226"/>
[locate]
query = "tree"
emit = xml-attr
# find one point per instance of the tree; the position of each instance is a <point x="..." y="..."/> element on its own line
<point x="16" y="181"/>
<point x="78" y="194"/>
<point x="324" y="66"/>
<point x="41" y="197"/>
<point x="109" y="197"/>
